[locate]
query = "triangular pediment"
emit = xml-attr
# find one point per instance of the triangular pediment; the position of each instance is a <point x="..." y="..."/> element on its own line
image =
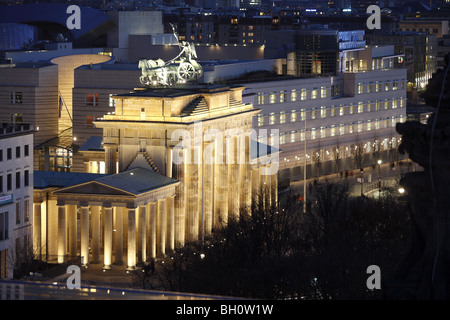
<point x="93" y="187"/>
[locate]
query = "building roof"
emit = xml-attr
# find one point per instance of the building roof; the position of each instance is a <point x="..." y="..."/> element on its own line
<point x="137" y="180"/>
<point x="94" y="143"/>
<point x="48" y="179"/>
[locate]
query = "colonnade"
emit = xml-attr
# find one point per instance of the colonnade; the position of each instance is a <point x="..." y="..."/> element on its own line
<point x="110" y="234"/>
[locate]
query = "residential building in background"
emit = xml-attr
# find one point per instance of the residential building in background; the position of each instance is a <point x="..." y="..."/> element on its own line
<point x="16" y="196"/>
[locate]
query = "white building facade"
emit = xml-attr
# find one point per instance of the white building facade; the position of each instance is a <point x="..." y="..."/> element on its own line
<point x="16" y="196"/>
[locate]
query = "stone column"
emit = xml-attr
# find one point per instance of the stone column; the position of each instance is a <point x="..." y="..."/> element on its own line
<point x="84" y="235"/>
<point x="61" y="233"/>
<point x="221" y="184"/>
<point x="256" y="187"/>
<point x="95" y="217"/>
<point x="161" y="228"/>
<point x="118" y="235"/>
<point x="107" y="237"/>
<point x="142" y="234"/>
<point x="178" y="172"/>
<point x="233" y="177"/>
<point x="152" y="229"/>
<point x="73" y="229"/>
<point x="37" y="226"/>
<point x="208" y="176"/>
<point x="110" y="157"/>
<point x="131" y="247"/>
<point x="192" y="212"/>
<point x="170" y="242"/>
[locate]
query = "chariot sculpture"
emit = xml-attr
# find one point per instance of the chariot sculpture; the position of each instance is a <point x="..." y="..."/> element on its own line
<point x="183" y="68"/>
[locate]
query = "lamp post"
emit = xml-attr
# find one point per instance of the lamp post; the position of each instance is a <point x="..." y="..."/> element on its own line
<point x="379" y="178"/>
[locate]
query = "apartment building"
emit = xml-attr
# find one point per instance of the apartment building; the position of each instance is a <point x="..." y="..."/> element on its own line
<point x="16" y="196"/>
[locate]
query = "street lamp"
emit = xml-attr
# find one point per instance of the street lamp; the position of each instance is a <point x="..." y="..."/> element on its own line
<point x="401" y="190"/>
<point x="379" y="179"/>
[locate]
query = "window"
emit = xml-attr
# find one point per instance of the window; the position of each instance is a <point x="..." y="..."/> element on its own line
<point x="272" y="118"/>
<point x="26" y="210"/>
<point x="17" y="179"/>
<point x="302" y="135"/>
<point x="26" y="150"/>
<point x="92" y="99"/>
<point x="272" y="97"/>
<point x="4" y="225"/>
<point x="282" y="96"/>
<point x="351" y="109"/>
<point x="342" y="129"/>
<point x="15" y="97"/>
<point x="282" y="117"/>
<point x="293" y="115"/>
<point x="260" y="98"/>
<point x="17" y="152"/>
<point x="293" y="136"/>
<point x="9" y="154"/>
<point x="8" y="182"/>
<point x="402" y="104"/>
<point x="323" y="132"/>
<point x="369" y="125"/>
<point x="18" y="212"/>
<point x="341" y="111"/>
<point x="303" y="94"/>
<point x="360" y="107"/>
<point x="313" y="114"/>
<point x="323" y="92"/>
<point x="112" y="102"/>
<point x="377" y="105"/>
<point x="395" y="85"/>
<point x="1" y="155"/>
<point x="323" y="112"/>
<point x="333" y="130"/>
<point x="26" y="178"/>
<point x="386" y="104"/>
<point x="314" y="94"/>
<point x="303" y="115"/>
<point x="387" y="86"/>
<point x="360" y="126"/>
<point x="370" y="87"/>
<point x="377" y="86"/>
<point x="333" y="111"/>
<point x="294" y="95"/>
<point x="360" y="88"/>
<point x="283" y="138"/>
<point x="394" y="103"/>
<point x="1" y="183"/>
<point x="313" y="133"/>
<point x="369" y="106"/>
<point x="260" y="120"/>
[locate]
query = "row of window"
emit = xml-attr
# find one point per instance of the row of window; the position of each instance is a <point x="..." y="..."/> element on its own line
<point x="18" y="181"/>
<point x="18" y="153"/>
<point x="335" y="130"/>
<point x="322" y="92"/>
<point x="15" y="97"/>
<point x="92" y="99"/>
<point x="332" y="111"/>
<point x="22" y="214"/>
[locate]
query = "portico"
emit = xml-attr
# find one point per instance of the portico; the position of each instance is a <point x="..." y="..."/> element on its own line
<point x="126" y="218"/>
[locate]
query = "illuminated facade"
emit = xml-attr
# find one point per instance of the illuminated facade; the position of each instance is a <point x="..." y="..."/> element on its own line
<point x="154" y="196"/>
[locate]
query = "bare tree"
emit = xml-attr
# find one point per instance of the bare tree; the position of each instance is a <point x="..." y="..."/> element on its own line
<point x="337" y="155"/>
<point x="317" y="158"/>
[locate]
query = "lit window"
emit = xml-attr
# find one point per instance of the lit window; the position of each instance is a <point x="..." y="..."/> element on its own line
<point x="323" y="112"/>
<point x="387" y="86"/>
<point x="112" y="102"/>
<point x="293" y="115"/>
<point x="260" y="120"/>
<point x="302" y="135"/>
<point x="323" y="92"/>
<point x="351" y="109"/>
<point x="314" y="94"/>
<point x="282" y="96"/>
<point x="272" y="97"/>
<point x="260" y="98"/>
<point x="293" y="136"/>
<point x="342" y="129"/>
<point x="303" y="94"/>
<point x="386" y="104"/>
<point x="394" y="103"/>
<point x="313" y="114"/>
<point x="272" y="118"/>
<point x="360" y="88"/>
<point x="283" y="138"/>
<point x="294" y="95"/>
<point x="333" y="131"/>
<point x="360" y="126"/>
<point x="303" y="115"/>
<point x="369" y="125"/>
<point x="377" y="86"/>
<point x="323" y="132"/>
<point x="282" y="117"/>
<point x="341" y="111"/>
<point x="360" y="107"/>
<point x="313" y="133"/>
<point x="333" y="111"/>
<point x="402" y="102"/>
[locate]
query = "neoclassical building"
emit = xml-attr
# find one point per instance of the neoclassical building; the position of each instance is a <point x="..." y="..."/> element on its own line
<point x="179" y="162"/>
